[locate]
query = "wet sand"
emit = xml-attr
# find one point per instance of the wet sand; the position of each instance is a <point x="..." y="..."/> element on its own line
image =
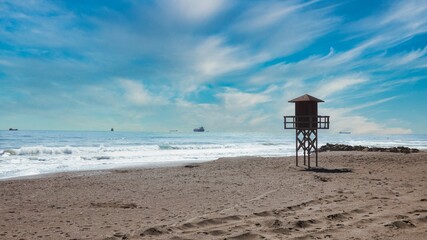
<point x="357" y="195"/>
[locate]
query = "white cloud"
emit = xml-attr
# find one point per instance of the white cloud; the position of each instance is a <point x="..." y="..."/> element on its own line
<point x="342" y="63"/>
<point x="280" y="28"/>
<point x="408" y="13"/>
<point x="319" y="66"/>
<point x="370" y="104"/>
<point x="413" y="59"/>
<point x="38" y="24"/>
<point x="186" y="44"/>
<point x="264" y="15"/>
<point x="236" y="111"/>
<point x="388" y="85"/>
<point x="195" y="10"/>
<point x="217" y="117"/>
<point x="342" y="119"/>
<point x="330" y="87"/>
<point x="396" y="24"/>
<point x="259" y="120"/>
<point x="213" y="57"/>
<point x="137" y="94"/>
<point x="233" y="98"/>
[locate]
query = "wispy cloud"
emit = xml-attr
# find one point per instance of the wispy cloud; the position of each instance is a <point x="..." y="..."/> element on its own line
<point x="193" y="10"/>
<point x="280" y="28"/>
<point x="231" y="64"/>
<point x="370" y="104"/>
<point x="395" y="24"/>
<point x="327" y="88"/>
<point x="214" y="57"/>
<point x="357" y="124"/>
<point x="235" y="99"/>
<point x="412" y="59"/>
<point x="137" y="93"/>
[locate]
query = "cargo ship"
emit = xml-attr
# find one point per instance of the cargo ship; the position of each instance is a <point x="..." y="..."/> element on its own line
<point x="200" y="129"/>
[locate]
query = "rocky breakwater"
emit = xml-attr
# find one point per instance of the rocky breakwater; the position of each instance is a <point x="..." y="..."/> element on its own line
<point x="342" y="147"/>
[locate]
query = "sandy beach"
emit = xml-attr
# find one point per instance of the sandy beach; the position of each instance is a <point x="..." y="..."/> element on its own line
<point x="357" y="195"/>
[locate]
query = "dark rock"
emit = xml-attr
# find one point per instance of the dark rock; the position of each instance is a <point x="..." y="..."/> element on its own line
<point x="342" y="147"/>
<point x="191" y="166"/>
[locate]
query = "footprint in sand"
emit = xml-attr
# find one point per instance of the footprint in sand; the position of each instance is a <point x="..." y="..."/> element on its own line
<point x="337" y="216"/>
<point x="422" y="219"/>
<point x="151" y="232"/>
<point x="400" y="224"/>
<point x="247" y="236"/>
<point x="304" y="223"/>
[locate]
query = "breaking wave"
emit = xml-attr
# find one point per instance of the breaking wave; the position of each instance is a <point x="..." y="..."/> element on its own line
<point x="38" y="150"/>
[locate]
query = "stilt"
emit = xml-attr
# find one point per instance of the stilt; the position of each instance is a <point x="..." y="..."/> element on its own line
<point x="316" y="149"/>
<point x="296" y="147"/>
<point x="306" y="139"/>
<point x="305" y="163"/>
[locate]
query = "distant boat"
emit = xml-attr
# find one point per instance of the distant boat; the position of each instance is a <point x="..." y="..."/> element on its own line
<point x="13" y="129"/>
<point x="200" y="129"/>
<point x="343" y="132"/>
<point x="173" y="130"/>
<point x="112" y="129"/>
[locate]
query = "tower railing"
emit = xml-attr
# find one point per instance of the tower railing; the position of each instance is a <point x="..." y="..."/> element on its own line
<point x="306" y="122"/>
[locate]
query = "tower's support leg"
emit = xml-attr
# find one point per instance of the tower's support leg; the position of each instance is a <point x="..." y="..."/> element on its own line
<point x="315" y="133"/>
<point x="304" y="140"/>
<point x="307" y="141"/>
<point x="296" y="146"/>
<point x="304" y="156"/>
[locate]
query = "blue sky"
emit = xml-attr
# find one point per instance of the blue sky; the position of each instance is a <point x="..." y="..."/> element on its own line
<point x="228" y="65"/>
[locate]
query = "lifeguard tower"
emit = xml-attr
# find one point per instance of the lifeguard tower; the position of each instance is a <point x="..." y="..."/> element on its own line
<point x="306" y="122"/>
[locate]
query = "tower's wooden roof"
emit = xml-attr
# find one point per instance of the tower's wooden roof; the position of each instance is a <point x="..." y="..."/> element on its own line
<point x="306" y="98"/>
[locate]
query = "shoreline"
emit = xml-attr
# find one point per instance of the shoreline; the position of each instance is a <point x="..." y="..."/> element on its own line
<point x="106" y="170"/>
<point x="384" y="196"/>
<point x="167" y="164"/>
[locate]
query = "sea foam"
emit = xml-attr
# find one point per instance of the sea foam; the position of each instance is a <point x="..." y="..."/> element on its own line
<point x="40" y="152"/>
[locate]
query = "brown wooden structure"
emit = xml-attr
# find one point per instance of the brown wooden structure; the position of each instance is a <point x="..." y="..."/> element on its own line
<point x="306" y="122"/>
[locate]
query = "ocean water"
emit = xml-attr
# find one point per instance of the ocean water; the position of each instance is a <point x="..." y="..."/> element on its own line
<point x="26" y="153"/>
